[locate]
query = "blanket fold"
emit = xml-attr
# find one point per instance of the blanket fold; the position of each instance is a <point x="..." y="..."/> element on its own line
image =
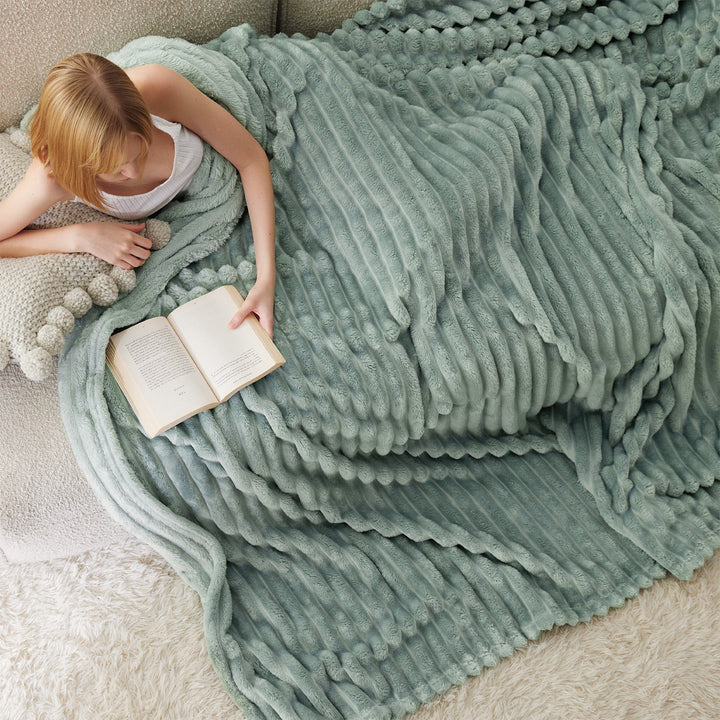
<point x="497" y="295"/>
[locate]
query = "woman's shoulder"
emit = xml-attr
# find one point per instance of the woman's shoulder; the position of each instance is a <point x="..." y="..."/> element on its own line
<point x="141" y="74"/>
<point x="40" y="177"/>
<point x="156" y="83"/>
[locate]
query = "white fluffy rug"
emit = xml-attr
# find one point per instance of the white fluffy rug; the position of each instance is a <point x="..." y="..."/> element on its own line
<point x="116" y="635"/>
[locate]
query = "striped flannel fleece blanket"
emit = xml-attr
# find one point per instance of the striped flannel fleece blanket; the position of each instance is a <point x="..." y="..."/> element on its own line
<point x="498" y="298"/>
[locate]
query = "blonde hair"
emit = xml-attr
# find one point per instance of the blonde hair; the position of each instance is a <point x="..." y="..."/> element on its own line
<point x="87" y="109"/>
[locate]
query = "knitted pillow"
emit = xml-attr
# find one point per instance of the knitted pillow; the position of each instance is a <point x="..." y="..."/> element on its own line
<point x="41" y="296"/>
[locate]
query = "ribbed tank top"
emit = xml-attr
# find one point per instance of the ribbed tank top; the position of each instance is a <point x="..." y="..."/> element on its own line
<point x="188" y="154"/>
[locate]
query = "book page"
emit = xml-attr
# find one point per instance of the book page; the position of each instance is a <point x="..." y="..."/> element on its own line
<point x="157" y="374"/>
<point x="229" y="359"/>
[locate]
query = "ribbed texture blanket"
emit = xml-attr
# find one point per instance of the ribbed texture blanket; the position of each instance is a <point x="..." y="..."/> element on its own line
<point x="498" y="297"/>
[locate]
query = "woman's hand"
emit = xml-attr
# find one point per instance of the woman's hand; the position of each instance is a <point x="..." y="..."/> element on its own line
<point x="116" y="243"/>
<point x="259" y="301"/>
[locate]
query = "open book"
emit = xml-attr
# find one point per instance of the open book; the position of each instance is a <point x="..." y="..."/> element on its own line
<point x="171" y="368"/>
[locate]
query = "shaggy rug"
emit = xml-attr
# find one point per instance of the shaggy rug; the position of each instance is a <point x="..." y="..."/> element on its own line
<point x="116" y="635"/>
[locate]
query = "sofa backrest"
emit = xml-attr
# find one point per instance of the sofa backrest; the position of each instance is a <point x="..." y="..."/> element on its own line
<point x="38" y="35"/>
<point x="310" y="17"/>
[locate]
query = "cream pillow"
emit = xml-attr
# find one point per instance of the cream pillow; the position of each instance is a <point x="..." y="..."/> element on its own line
<point x="41" y="296"/>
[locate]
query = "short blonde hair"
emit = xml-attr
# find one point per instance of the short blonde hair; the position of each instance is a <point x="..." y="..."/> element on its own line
<point x="87" y="109"/>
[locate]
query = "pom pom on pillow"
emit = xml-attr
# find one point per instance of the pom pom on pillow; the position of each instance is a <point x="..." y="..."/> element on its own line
<point x="41" y="296"/>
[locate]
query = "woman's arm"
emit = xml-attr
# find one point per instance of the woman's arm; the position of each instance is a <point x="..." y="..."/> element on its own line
<point x="175" y="98"/>
<point x="29" y="199"/>
<point x="37" y="191"/>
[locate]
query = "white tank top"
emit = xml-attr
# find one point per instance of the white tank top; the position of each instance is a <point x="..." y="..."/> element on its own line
<point x="188" y="154"/>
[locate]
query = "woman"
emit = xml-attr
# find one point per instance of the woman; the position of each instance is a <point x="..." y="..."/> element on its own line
<point x="127" y="142"/>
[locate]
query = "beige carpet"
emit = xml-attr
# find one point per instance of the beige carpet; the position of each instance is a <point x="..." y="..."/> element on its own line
<point x="114" y="634"/>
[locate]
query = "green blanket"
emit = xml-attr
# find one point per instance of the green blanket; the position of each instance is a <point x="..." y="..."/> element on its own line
<point x="498" y="296"/>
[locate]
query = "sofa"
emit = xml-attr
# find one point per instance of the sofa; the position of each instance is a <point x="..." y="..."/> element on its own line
<point x="101" y="655"/>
